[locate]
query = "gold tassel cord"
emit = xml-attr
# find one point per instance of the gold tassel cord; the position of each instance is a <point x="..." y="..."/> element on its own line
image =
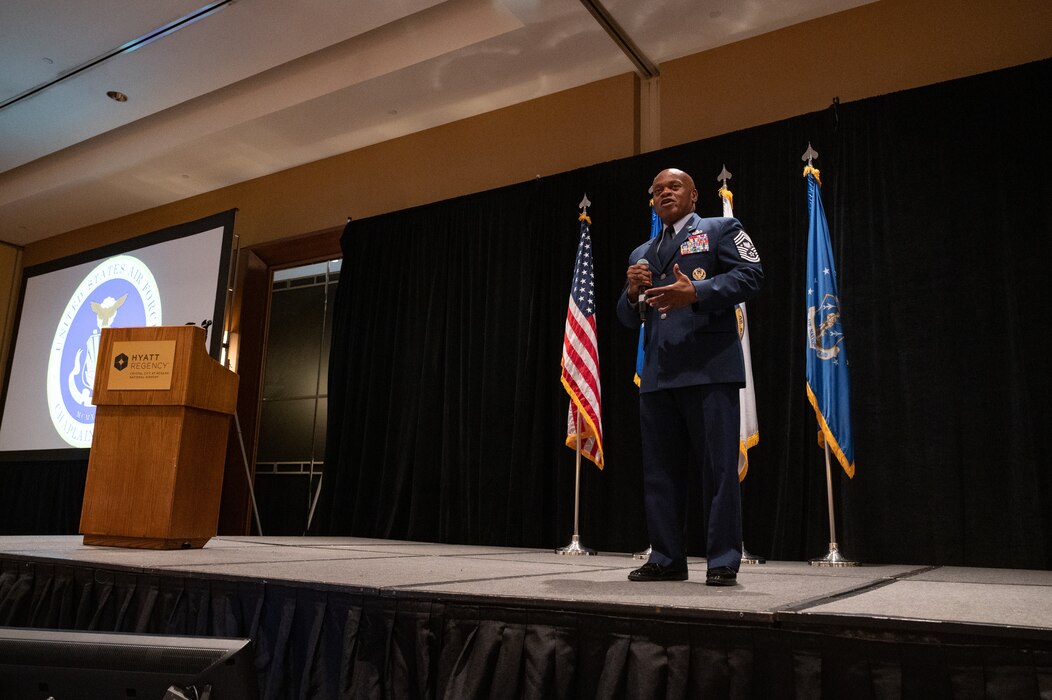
<point x="726" y="194"/>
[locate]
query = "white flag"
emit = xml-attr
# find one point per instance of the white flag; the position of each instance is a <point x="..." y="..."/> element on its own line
<point x="748" y="426"/>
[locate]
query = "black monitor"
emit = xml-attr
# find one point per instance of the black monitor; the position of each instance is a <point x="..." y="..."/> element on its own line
<point x="65" y="665"/>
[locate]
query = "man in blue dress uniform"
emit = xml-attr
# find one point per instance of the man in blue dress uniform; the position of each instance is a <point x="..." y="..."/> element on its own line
<point x="685" y="284"/>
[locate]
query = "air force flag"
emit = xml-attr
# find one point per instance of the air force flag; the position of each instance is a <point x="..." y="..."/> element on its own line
<point x="655" y="231"/>
<point x="828" y="388"/>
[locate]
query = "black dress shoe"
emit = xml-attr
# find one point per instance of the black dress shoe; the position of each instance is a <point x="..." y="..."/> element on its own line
<point x="721" y="576"/>
<point x="657" y="572"/>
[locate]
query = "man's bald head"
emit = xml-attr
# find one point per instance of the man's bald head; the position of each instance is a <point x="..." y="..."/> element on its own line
<point x="674" y="195"/>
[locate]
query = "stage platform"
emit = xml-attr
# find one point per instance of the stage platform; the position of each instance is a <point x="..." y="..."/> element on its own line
<point x="379" y="618"/>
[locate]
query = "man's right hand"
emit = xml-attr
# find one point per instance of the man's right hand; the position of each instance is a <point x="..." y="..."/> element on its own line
<point x="638" y="278"/>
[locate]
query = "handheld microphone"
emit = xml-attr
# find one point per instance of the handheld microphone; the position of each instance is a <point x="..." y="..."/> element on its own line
<point x="641" y="302"/>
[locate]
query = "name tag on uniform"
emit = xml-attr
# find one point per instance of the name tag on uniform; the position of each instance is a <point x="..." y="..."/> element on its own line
<point x="695" y="243"/>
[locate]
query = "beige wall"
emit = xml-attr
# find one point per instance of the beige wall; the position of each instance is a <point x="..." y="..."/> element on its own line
<point x="10" y="260"/>
<point x="560" y="132"/>
<point x="872" y="50"/>
<point x="875" y="49"/>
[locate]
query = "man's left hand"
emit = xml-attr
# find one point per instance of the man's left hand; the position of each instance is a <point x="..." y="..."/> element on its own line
<point x="674" y="296"/>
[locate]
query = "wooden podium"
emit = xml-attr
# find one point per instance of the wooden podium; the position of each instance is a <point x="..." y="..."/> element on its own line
<point x="155" y="471"/>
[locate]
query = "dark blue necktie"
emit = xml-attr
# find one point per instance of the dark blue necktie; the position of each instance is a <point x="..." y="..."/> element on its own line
<point x="665" y="246"/>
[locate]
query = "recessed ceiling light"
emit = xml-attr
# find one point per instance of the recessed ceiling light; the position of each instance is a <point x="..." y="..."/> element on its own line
<point x="117" y="96"/>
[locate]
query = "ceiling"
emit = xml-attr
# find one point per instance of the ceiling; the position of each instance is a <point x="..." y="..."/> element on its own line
<point x="252" y="87"/>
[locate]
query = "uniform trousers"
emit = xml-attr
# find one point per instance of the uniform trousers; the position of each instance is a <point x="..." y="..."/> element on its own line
<point x="694" y="427"/>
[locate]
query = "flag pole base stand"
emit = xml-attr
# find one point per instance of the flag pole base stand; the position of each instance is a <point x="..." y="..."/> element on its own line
<point x="749" y="558"/>
<point x="645" y="554"/>
<point x="575" y="548"/>
<point x="834" y="558"/>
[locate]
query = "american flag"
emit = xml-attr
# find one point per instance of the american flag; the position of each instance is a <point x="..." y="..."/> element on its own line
<point x="580" y="374"/>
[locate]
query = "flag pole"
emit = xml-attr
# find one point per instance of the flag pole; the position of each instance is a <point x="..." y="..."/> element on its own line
<point x="726" y="198"/>
<point x="833" y="558"/>
<point x="655" y="230"/>
<point x="575" y="546"/>
<point x="818" y="231"/>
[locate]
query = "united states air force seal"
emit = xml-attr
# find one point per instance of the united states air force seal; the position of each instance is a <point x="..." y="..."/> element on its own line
<point x="824" y="335"/>
<point x="119" y="292"/>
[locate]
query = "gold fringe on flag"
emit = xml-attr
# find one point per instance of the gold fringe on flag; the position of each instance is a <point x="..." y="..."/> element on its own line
<point x="726" y="194"/>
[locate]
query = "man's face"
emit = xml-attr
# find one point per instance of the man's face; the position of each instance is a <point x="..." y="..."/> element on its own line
<point x="674" y="195"/>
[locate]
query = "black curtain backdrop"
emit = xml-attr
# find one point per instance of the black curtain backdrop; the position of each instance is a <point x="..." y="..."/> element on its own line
<point x="41" y="497"/>
<point x="447" y="419"/>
